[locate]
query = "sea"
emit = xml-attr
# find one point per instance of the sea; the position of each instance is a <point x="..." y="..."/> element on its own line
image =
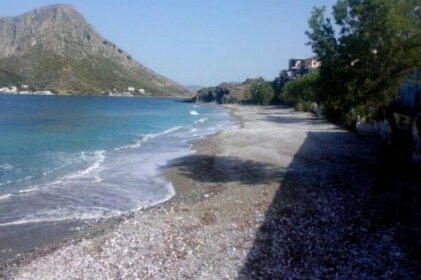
<point x="86" y="158"/>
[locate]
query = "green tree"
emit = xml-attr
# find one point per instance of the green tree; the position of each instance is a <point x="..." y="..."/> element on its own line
<point x="301" y="91"/>
<point x="371" y="47"/>
<point x="262" y="92"/>
<point x="277" y="85"/>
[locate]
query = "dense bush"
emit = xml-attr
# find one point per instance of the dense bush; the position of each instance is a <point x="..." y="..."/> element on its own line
<point x="301" y="92"/>
<point x="278" y="84"/>
<point x="262" y="92"/>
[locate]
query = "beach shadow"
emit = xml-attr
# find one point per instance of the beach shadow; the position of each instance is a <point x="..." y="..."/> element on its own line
<point x="288" y="119"/>
<point x="223" y="169"/>
<point x="288" y="116"/>
<point x="396" y="203"/>
<point x="321" y="223"/>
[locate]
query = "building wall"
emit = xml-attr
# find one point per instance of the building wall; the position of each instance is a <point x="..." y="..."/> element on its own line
<point x="302" y="66"/>
<point x="411" y="91"/>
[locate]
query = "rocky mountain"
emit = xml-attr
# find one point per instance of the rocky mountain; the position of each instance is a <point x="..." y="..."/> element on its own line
<point x="54" y="48"/>
<point x="227" y="93"/>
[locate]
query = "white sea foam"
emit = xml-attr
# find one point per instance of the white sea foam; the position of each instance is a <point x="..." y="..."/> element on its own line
<point x="5" y="183"/>
<point x="99" y="157"/>
<point x="202" y="120"/>
<point x="194" y="113"/>
<point x="96" y="159"/>
<point x="16" y="181"/>
<point x="168" y="131"/>
<point x="68" y="162"/>
<point x="27" y="221"/>
<point x="28" y="190"/>
<point x="93" y="213"/>
<point x="5" y="196"/>
<point x="137" y="144"/>
<point x="89" y="213"/>
<point x="171" y="193"/>
<point x="147" y="137"/>
<point x="6" y="167"/>
<point x="9" y="195"/>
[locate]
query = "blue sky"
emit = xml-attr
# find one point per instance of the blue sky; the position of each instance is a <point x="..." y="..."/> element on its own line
<point x="198" y="42"/>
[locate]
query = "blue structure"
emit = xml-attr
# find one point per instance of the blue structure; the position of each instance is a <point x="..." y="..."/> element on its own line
<point x="411" y="92"/>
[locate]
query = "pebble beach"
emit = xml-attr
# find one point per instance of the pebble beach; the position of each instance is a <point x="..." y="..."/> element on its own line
<point x="282" y="196"/>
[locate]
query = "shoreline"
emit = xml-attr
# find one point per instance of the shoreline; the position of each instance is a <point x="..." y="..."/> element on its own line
<point x="188" y="192"/>
<point x="63" y="230"/>
<point x="266" y="199"/>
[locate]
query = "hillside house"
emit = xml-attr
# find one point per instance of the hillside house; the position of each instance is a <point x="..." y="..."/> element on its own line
<point x="301" y="66"/>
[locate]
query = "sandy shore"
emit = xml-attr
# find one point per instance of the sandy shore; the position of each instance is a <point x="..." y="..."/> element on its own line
<point x="282" y="196"/>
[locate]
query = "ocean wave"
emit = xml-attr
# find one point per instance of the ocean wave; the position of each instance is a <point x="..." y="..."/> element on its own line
<point x="202" y="120"/>
<point x="93" y="213"/>
<point x="6" y="167"/>
<point x="24" y="221"/>
<point x="147" y="137"/>
<point x="194" y="132"/>
<point x="194" y="113"/>
<point x="28" y="190"/>
<point x="9" y="195"/>
<point x="16" y="181"/>
<point x="99" y="157"/>
<point x="5" y="183"/>
<point x="5" y="196"/>
<point x="171" y="193"/>
<point x="66" y="159"/>
<point x="167" y="131"/>
<point x="137" y="144"/>
<point x="96" y="158"/>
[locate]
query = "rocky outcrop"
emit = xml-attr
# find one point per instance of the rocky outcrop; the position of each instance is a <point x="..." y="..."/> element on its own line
<point x="55" y="48"/>
<point x="227" y="93"/>
<point x="219" y="94"/>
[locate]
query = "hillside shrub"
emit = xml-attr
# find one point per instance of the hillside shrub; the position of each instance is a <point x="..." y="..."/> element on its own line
<point x="262" y="92"/>
<point x="301" y="92"/>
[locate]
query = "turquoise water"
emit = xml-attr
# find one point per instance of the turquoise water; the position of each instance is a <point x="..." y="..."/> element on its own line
<point x="91" y="157"/>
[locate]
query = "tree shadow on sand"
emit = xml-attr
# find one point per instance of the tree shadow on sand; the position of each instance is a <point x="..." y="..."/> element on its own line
<point x="224" y="169"/>
<point x="285" y="119"/>
<point x="288" y="116"/>
<point x="321" y="223"/>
